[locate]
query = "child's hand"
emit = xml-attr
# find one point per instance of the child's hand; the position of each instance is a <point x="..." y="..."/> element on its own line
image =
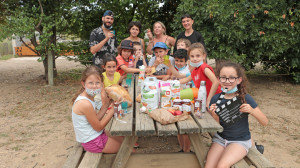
<point x="138" y="55"/>
<point x="212" y="108"/>
<point x="158" y="61"/>
<point x="246" y="108"/>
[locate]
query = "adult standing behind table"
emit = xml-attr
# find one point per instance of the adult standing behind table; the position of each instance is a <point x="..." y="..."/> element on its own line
<point x="103" y="39"/>
<point x="189" y="33"/>
<point x="134" y="30"/>
<point x="159" y="30"/>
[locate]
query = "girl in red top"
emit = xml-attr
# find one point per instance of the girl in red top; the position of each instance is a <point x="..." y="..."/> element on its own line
<point x="125" y="59"/>
<point x="202" y="71"/>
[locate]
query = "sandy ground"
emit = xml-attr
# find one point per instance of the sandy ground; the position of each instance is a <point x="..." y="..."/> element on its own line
<point x="36" y="128"/>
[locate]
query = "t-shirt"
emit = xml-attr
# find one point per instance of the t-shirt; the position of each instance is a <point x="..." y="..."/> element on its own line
<point x="198" y="75"/>
<point x="195" y="37"/>
<point x="239" y="131"/>
<point x="97" y="35"/>
<point x="108" y="82"/>
<point x="121" y="61"/>
<point x="140" y="62"/>
<point x="161" y="69"/>
<point x="184" y="71"/>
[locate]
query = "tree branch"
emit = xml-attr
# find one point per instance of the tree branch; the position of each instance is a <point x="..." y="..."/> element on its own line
<point x="35" y="51"/>
<point x="40" y="22"/>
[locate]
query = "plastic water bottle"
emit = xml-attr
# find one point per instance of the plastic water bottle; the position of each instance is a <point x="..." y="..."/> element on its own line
<point x="202" y="95"/>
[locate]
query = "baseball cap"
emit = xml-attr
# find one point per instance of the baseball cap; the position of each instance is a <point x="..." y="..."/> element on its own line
<point x="108" y="13"/>
<point x="127" y="44"/>
<point x="160" y="45"/>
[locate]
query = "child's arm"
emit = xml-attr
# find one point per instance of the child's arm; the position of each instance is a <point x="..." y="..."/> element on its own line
<point x="215" y="83"/>
<point x="136" y="60"/>
<point x="174" y="71"/>
<point x="93" y="118"/>
<point x="212" y="111"/>
<point x="121" y="79"/>
<point x="129" y="70"/>
<point x="260" y="116"/>
<point x="144" y="61"/>
<point x="185" y="80"/>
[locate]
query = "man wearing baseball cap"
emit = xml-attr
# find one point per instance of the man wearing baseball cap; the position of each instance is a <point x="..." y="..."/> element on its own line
<point x="103" y="39"/>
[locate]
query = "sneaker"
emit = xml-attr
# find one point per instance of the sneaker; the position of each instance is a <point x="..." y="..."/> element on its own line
<point x="136" y="145"/>
<point x="181" y="150"/>
<point x="260" y="148"/>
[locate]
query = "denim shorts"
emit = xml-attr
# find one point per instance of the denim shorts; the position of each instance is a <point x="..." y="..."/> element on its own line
<point x="223" y="142"/>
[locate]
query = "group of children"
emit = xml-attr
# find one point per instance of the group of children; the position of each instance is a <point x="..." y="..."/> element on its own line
<point x="187" y="64"/>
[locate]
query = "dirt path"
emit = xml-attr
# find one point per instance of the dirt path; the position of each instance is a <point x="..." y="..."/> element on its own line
<point x="36" y="128"/>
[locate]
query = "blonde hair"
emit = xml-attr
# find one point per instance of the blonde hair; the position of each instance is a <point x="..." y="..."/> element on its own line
<point x="162" y="25"/>
<point x="185" y="41"/>
<point x="200" y="47"/>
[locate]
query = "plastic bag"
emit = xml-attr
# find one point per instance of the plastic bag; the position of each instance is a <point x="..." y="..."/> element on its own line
<point x="150" y="93"/>
<point x="164" y="117"/>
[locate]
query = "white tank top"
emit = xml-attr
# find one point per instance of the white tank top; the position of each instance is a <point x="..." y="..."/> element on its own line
<point x="84" y="132"/>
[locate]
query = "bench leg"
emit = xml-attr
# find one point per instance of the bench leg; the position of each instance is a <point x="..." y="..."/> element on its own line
<point x="124" y="151"/>
<point x="199" y="147"/>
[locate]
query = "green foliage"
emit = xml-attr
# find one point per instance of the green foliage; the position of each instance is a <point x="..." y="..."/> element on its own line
<point x="84" y="17"/>
<point x="248" y="31"/>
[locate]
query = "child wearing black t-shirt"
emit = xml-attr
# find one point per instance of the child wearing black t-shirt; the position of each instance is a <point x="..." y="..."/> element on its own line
<point x="233" y="143"/>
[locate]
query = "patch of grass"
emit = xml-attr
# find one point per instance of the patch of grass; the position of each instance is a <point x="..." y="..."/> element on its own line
<point x="6" y="57"/>
<point x="69" y="76"/>
<point x="17" y="148"/>
<point x="3" y="135"/>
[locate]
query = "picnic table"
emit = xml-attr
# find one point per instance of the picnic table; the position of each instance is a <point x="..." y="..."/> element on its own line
<point x="141" y="125"/>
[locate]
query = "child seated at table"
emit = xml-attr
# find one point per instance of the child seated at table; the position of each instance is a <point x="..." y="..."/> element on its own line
<point x="139" y="58"/>
<point x="161" y="70"/>
<point x="111" y="76"/>
<point x="125" y="60"/>
<point x="181" y="69"/>
<point x="234" y="142"/>
<point x="89" y="125"/>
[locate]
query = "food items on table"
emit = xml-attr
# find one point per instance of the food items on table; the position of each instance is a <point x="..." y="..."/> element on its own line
<point x="197" y="109"/>
<point x="118" y="93"/>
<point x="186" y="106"/>
<point x="165" y="94"/>
<point x="177" y="103"/>
<point x="139" y="98"/>
<point x="175" y="87"/>
<point x="150" y="94"/>
<point x="163" y="116"/>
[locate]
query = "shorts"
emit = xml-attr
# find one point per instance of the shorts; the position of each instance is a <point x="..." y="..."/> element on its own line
<point x="223" y="142"/>
<point x="96" y="145"/>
